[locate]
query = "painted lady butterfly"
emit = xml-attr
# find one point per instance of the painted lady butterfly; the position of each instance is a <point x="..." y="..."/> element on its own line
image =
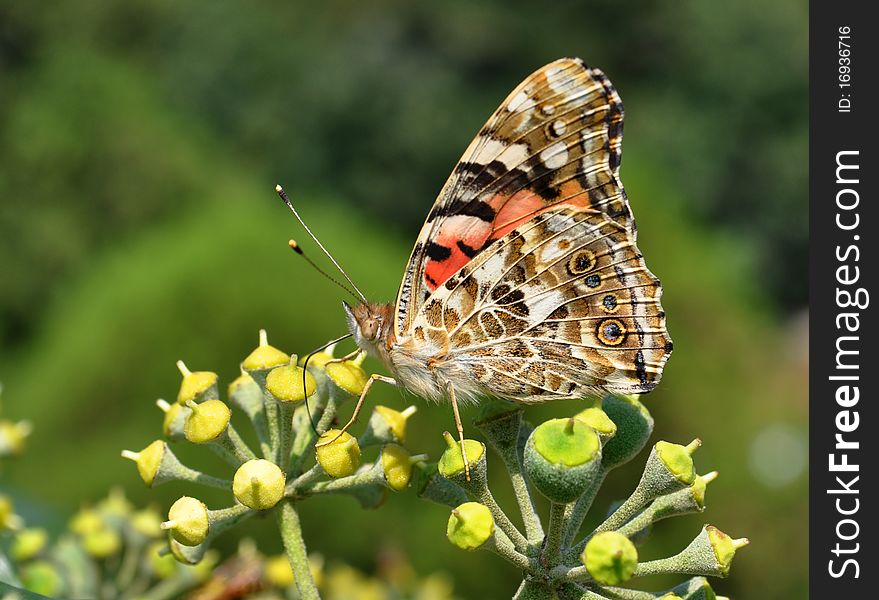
<point x="525" y="282"/>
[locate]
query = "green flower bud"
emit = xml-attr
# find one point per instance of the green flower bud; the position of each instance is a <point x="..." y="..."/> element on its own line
<point x="207" y="421"/>
<point x="196" y="385"/>
<point x="258" y="484"/>
<point x="348" y="376"/>
<point x="28" y="543"/>
<point x="724" y="548"/>
<point x="102" y="543"/>
<point x="188" y="521"/>
<point x="710" y="554"/>
<point x="339" y="458"/>
<point x="42" y="578"/>
<point x="397" y="466"/>
<point x="678" y="459"/>
<point x="451" y="463"/>
<point x="386" y="425"/>
<point x="470" y="526"/>
<point x="610" y="558"/>
<point x="669" y="468"/>
<point x="264" y="357"/>
<point x="562" y="458"/>
<point x="634" y="427"/>
<point x="598" y="420"/>
<point x="429" y="484"/>
<point x="285" y="384"/>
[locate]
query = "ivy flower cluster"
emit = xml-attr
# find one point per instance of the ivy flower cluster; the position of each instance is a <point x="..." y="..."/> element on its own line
<point x="276" y="472"/>
<point x="566" y="461"/>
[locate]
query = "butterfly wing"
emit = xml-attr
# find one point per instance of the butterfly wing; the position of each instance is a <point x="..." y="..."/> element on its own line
<point x="561" y="306"/>
<point x="554" y="141"/>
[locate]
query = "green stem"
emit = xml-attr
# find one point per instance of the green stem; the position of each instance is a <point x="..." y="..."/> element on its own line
<point x="502" y="520"/>
<point x="623" y="514"/>
<point x="555" y="532"/>
<point x="304" y="480"/>
<point x="130" y="560"/>
<point x="291" y="535"/>
<point x="618" y="593"/>
<point x="271" y="410"/>
<point x="231" y="448"/>
<point x="285" y="434"/>
<point x="533" y="528"/>
<point x="577" y="512"/>
<point x="501" y="545"/>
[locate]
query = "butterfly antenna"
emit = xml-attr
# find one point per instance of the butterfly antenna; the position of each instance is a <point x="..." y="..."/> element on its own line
<point x="305" y="370"/>
<point x="289" y="204"/>
<point x="295" y="247"/>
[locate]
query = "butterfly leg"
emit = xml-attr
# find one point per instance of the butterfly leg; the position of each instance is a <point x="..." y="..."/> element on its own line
<point x="372" y="379"/>
<point x="347" y="357"/>
<point x="460" y="431"/>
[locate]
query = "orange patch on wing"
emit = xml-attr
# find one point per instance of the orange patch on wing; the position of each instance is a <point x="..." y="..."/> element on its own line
<point x="511" y="211"/>
<point x="469" y="231"/>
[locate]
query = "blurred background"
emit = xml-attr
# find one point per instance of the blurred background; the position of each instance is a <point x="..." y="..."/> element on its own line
<point x="140" y="142"/>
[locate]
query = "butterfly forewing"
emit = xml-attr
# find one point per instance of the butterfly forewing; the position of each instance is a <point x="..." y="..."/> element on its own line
<point x="554" y="140"/>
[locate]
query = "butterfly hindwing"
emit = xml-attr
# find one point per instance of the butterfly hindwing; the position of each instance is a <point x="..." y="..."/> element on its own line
<point x="561" y="306"/>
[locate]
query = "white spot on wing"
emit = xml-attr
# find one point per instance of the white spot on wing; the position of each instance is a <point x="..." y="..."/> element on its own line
<point x="520" y="102"/>
<point x="555" y="156"/>
<point x="555" y="79"/>
<point x="512" y="155"/>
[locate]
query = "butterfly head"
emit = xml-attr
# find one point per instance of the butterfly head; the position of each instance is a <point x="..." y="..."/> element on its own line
<point x="369" y="323"/>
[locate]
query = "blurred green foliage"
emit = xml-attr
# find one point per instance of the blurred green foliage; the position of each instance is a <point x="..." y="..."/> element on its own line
<point x="139" y="144"/>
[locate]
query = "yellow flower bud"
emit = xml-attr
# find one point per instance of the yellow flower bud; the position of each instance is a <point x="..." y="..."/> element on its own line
<point x="8" y="518"/>
<point x="340" y="458"/>
<point x="470" y="526"/>
<point x="13" y="436"/>
<point x="102" y="543"/>
<point x="147" y="522"/>
<point x="28" y="543"/>
<point x="610" y="558"/>
<point x="397" y="466"/>
<point x="264" y="356"/>
<point x="452" y="462"/>
<point x="278" y="571"/>
<point x="206" y="421"/>
<point x="348" y="376"/>
<point x="147" y="460"/>
<point x="258" y="484"/>
<point x="194" y="384"/>
<point x="188" y="521"/>
<point x="396" y="420"/>
<point x="86" y="521"/>
<point x="285" y="383"/>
